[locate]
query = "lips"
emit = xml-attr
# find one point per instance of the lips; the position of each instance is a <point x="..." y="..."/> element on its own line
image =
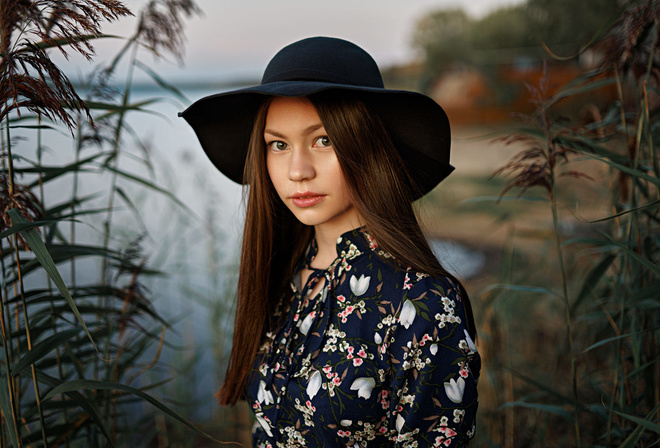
<point x="306" y="199"/>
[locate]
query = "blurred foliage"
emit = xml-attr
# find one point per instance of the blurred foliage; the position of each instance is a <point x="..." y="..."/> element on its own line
<point x="571" y="329"/>
<point x="449" y="38"/>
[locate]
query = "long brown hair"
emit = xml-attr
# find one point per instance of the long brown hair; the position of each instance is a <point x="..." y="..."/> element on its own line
<point x="273" y="240"/>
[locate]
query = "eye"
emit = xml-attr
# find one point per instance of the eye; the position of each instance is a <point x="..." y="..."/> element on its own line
<point x="323" y="142"/>
<point x="277" y="145"/>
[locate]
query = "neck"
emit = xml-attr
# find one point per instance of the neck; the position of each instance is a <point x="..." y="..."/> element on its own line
<point x="326" y="240"/>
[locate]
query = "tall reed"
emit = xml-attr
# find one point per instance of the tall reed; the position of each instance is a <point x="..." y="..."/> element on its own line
<point x="74" y="354"/>
<point x="606" y="385"/>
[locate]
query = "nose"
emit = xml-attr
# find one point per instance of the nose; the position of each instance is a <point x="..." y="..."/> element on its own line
<point x="301" y="166"/>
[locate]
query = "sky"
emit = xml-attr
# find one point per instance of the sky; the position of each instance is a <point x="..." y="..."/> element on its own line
<point x="236" y="39"/>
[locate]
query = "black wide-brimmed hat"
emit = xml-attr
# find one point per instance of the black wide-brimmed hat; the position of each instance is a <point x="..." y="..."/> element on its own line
<point x="417" y="125"/>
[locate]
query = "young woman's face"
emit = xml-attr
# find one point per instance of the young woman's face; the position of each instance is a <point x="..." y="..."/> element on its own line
<point x="303" y="166"/>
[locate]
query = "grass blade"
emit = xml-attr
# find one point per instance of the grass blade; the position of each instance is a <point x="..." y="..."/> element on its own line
<point x="161" y="82"/>
<point x="76" y="385"/>
<point x="39" y="249"/>
<point x="551" y="408"/>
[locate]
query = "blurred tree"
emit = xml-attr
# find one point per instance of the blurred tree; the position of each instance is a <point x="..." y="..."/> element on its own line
<point x="447" y="38"/>
<point x="502" y="35"/>
<point x="441" y="38"/>
<point x="567" y="25"/>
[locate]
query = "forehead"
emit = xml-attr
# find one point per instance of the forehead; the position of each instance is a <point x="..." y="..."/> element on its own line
<point x="291" y="113"/>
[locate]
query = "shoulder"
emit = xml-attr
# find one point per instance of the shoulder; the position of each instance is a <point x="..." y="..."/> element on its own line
<point x="436" y="300"/>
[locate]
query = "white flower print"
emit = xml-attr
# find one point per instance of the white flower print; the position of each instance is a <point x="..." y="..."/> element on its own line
<point x="314" y="384"/>
<point x="349" y="350"/>
<point x="470" y="342"/>
<point x="359" y="286"/>
<point x="264" y="424"/>
<point x="454" y="389"/>
<point x="399" y="422"/>
<point x="364" y="386"/>
<point x="306" y="323"/>
<point x="264" y="396"/>
<point x="408" y="314"/>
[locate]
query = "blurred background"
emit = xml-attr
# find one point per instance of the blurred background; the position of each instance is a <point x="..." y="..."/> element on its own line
<point x="551" y="217"/>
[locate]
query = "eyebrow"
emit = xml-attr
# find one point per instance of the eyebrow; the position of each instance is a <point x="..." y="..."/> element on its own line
<point x="308" y="130"/>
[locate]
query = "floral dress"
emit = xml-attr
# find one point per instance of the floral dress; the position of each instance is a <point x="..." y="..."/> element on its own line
<point x="380" y="357"/>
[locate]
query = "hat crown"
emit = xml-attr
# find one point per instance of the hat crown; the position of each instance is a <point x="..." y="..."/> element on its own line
<point x="324" y="59"/>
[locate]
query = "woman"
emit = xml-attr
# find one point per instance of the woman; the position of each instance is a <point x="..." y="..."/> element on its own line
<point x="348" y="330"/>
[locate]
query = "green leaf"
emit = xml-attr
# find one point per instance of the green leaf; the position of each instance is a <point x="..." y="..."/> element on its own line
<point x="51" y="173"/>
<point x="149" y="184"/>
<point x="8" y="412"/>
<point x="112" y="107"/>
<point x="592" y="280"/>
<point x="628" y="170"/>
<point x="35" y="243"/>
<point x="23" y="227"/>
<point x="605" y="341"/>
<point x="161" y="82"/>
<point x="579" y="86"/>
<point x="43" y="348"/>
<point x="76" y="385"/>
<point x="644" y="422"/>
<point x="87" y="405"/>
<point x="625" y="212"/>
<point x="132" y="206"/>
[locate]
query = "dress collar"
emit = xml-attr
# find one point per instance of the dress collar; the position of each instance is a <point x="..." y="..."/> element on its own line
<point x="355" y="242"/>
<point x="350" y="245"/>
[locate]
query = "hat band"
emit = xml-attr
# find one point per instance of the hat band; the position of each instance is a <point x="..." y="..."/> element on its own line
<point x="323" y="76"/>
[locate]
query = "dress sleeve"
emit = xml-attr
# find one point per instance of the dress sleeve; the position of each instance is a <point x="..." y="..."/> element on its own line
<point x="434" y="367"/>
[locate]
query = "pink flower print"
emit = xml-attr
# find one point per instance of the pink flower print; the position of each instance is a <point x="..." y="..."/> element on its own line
<point x="357" y="362"/>
<point x="342" y="299"/>
<point x="464" y="371"/>
<point x="406" y="282"/>
<point x="362" y="353"/>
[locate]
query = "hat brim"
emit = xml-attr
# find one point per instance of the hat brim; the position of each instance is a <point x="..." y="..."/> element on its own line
<point x="418" y="126"/>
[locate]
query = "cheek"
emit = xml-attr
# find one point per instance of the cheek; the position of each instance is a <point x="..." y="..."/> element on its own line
<point x="274" y="173"/>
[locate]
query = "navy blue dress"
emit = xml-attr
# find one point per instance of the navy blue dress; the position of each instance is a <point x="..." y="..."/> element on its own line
<point x="380" y="357"/>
